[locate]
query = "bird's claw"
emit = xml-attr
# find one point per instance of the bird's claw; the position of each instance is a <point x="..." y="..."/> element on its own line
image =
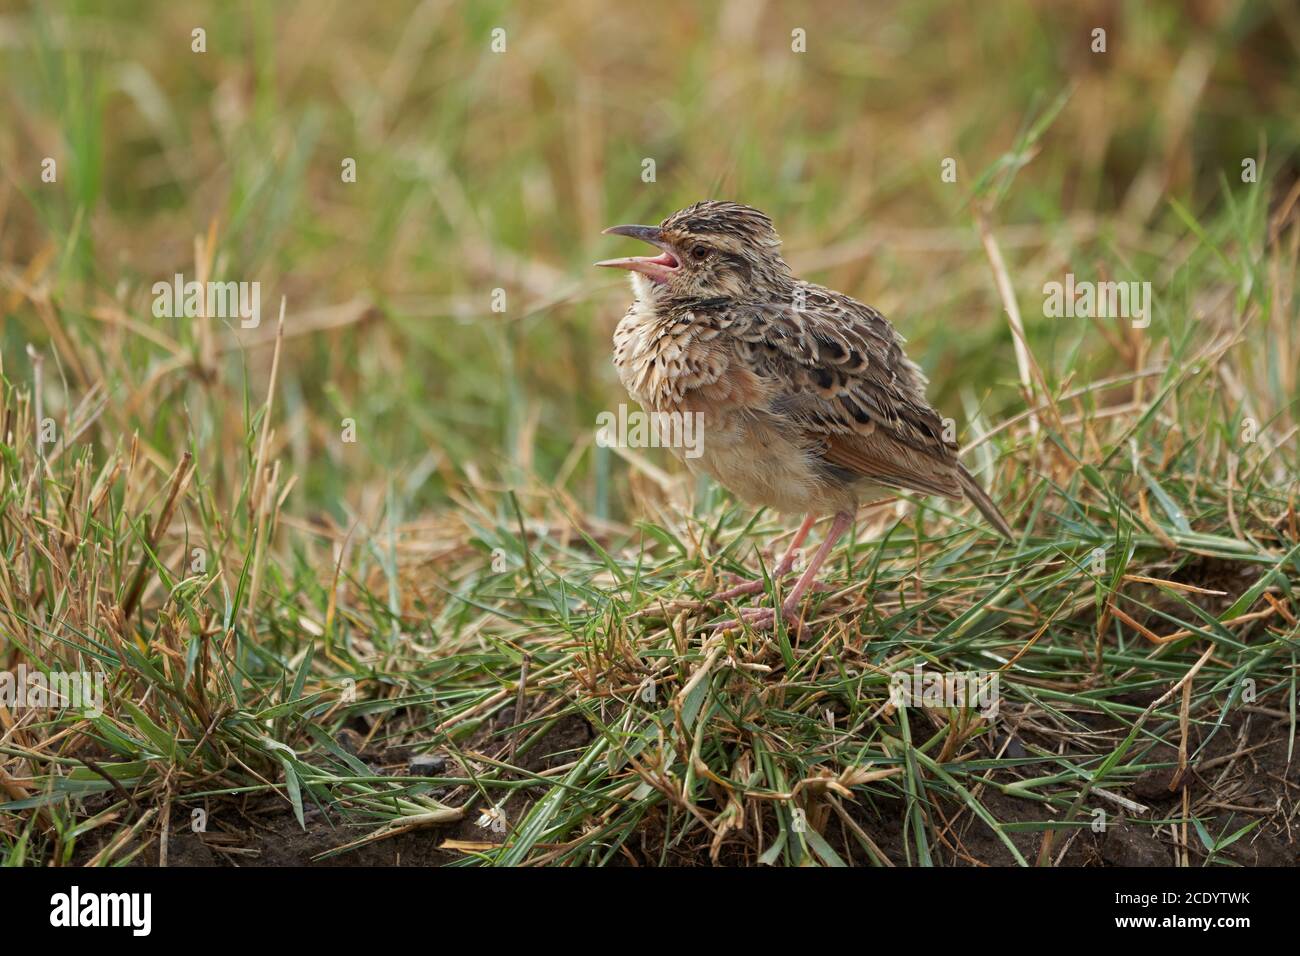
<point x="764" y="619"/>
<point x="740" y="589"/>
<point x="757" y="586"/>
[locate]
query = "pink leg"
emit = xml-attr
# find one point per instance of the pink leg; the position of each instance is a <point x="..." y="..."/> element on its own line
<point x="764" y="618"/>
<point x="780" y="571"/>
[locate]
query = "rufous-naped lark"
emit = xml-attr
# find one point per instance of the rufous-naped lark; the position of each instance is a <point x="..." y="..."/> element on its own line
<point x="808" y="401"/>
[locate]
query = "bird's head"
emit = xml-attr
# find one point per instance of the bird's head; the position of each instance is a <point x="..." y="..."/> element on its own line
<point x="710" y="250"/>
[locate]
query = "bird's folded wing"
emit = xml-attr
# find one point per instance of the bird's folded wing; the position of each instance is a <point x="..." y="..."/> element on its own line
<point x="889" y="462"/>
<point x="843" y="380"/>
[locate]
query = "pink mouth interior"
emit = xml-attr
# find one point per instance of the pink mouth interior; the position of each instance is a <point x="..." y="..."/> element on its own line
<point x="667" y="260"/>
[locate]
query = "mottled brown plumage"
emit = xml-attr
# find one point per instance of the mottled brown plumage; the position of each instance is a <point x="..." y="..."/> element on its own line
<point x="809" y="402"/>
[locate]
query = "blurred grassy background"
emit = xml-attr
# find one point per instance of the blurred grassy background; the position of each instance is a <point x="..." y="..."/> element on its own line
<point x="480" y="170"/>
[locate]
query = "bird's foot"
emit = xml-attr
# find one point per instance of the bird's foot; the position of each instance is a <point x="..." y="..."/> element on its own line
<point x="740" y="589"/>
<point x="743" y="587"/>
<point x="764" y="618"/>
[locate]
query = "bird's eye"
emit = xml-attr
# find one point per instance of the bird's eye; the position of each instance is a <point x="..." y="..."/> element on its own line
<point x="699" y="252"/>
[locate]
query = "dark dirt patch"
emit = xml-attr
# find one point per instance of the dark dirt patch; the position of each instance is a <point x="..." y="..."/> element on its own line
<point x="1242" y="776"/>
<point x="263" y="831"/>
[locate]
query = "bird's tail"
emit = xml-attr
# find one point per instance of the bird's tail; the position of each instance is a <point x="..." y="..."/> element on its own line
<point x="980" y="499"/>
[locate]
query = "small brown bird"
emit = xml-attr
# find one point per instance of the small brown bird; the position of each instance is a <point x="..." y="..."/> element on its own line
<point x="808" y="401"/>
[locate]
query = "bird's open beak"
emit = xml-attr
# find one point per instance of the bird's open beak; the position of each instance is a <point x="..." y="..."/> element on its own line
<point x="658" y="268"/>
